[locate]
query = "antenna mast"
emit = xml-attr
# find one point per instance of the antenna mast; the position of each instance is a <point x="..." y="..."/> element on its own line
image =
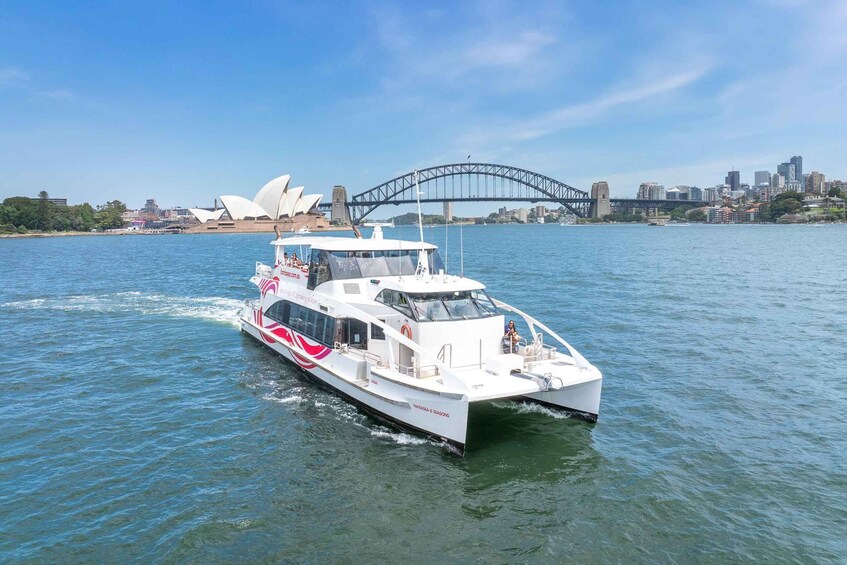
<point x="422" y="269"/>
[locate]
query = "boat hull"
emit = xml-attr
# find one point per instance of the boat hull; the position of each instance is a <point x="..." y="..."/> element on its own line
<point x="581" y="400"/>
<point x="440" y="417"/>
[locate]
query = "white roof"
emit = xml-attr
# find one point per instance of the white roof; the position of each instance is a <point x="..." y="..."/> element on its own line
<point x="352" y="244"/>
<point x="307" y="202"/>
<point x="293" y="199"/>
<point x="271" y="195"/>
<point x="206" y="215"/>
<point x="240" y="208"/>
<point x="430" y="283"/>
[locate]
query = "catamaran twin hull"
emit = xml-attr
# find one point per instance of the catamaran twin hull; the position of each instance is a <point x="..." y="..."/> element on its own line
<point x="410" y="347"/>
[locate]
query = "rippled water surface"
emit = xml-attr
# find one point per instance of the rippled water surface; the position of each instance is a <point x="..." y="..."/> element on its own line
<point x="137" y="423"/>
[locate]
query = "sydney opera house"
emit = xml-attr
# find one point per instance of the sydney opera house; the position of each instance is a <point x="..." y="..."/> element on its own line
<point x="274" y="204"/>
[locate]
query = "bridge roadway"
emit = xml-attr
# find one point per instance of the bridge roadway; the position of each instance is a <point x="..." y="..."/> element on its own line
<point x="482" y="182"/>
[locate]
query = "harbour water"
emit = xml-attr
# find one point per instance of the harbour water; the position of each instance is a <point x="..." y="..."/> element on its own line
<point x="137" y="423"/>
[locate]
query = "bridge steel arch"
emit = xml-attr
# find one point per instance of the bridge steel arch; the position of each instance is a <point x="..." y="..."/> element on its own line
<point x="515" y="185"/>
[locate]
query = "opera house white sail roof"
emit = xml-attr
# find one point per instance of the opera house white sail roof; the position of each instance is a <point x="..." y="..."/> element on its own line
<point x="206" y="215"/>
<point x="273" y="201"/>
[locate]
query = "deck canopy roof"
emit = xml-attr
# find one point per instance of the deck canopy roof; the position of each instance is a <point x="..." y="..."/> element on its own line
<point x="351" y="244"/>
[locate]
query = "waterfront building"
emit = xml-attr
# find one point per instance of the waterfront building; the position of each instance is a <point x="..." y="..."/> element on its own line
<point x="151" y="207"/>
<point x="835" y="185"/>
<point x="502" y="212"/>
<point x="58" y="201"/>
<point x="719" y="215"/>
<point x="540" y="211"/>
<point x="673" y="194"/>
<point x="522" y="214"/>
<point x="761" y="177"/>
<point x="814" y="182"/>
<point x="733" y="179"/>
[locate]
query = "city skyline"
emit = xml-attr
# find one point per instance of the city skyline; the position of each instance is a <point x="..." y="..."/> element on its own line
<point x="182" y="103"/>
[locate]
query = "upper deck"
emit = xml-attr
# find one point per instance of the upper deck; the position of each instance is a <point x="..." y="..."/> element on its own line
<point x="410" y="266"/>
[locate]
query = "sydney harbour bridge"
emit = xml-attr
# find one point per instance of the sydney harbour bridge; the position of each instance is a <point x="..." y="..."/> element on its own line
<point x="485" y="182"/>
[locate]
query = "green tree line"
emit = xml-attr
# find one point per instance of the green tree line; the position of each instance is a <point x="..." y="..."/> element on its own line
<point x="20" y="214"/>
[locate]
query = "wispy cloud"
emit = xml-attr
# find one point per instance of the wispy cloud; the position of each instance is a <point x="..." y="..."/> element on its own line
<point x="579" y="114"/>
<point x="12" y="77"/>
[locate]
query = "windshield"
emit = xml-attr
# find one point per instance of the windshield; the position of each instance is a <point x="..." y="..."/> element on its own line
<point x="456" y="305"/>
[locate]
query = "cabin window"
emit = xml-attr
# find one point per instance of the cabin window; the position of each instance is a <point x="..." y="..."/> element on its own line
<point x="354" y="333"/>
<point x="454" y="305"/>
<point x="396" y="300"/>
<point x="377" y="332"/>
<point x="315" y="325"/>
<point x="319" y="272"/>
<point x="400" y="262"/>
<point x="385" y="263"/>
<point x="430" y="308"/>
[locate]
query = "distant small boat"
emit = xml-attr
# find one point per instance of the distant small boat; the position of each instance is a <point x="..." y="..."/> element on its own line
<point x="304" y="229"/>
<point x="657" y="222"/>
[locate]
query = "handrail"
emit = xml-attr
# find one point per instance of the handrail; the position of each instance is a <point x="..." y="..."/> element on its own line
<point x="581" y="361"/>
<point x="449" y="376"/>
<point x="442" y="353"/>
<point x="366" y="355"/>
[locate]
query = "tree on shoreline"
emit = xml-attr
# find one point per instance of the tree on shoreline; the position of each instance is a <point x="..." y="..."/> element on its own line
<point x="20" y="214"/>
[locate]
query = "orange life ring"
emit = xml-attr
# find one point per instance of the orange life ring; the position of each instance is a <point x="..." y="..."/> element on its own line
<point x="406" y="330"/>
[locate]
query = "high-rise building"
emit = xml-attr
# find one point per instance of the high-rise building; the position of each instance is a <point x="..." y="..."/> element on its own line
<point x="522" y="214"/>
<point x="762" y="177"/>
<point x="788" y="171"/>
<point x="797" y="161"/>
<point x="644" y="190"/>
<point x="733" y="179"/>
<point x="814" y="182"/>
<point x="711" y="194"/>
<point x="695" y="193"/>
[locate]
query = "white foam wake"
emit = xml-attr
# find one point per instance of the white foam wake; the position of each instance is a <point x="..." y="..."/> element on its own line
<point x="531" y="408"/>
<point x="212" y="308"/>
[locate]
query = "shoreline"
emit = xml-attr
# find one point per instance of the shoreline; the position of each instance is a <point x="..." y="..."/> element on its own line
<point x="30" y="235"/>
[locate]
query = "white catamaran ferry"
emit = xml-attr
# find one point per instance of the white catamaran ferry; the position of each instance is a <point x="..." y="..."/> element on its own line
<point x="380" y="322"/>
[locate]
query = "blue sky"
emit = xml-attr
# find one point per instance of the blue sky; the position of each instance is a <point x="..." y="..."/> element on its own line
<point x="186" y="101"/>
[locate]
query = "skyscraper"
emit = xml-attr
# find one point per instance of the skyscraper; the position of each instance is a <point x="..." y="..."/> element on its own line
<point x="733" y="179"/>
<point x="762" y="177"/>
<point x="788" y="171"/>
<point x="797" y="161"/>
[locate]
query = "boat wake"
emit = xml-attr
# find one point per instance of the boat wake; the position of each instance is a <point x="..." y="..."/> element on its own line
<point x="215" y="309"/>
<point x="531" y="408"/>
<point x="400" y="438"/>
